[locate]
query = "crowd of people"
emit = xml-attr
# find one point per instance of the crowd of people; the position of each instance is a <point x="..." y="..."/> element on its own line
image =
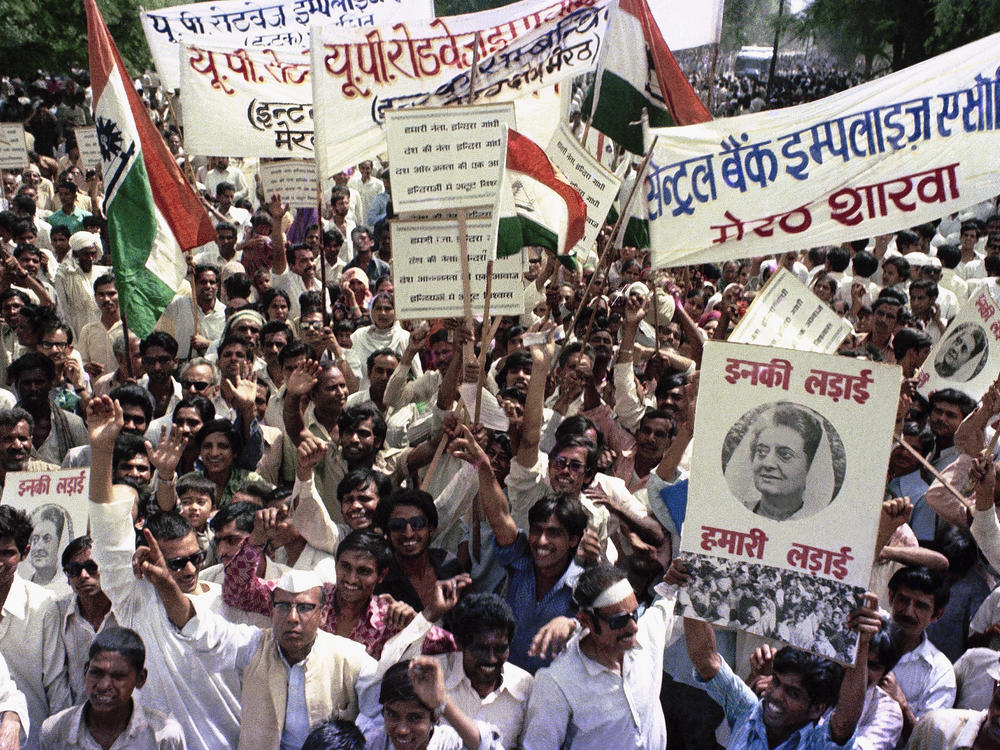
<point x="300" y="536"/>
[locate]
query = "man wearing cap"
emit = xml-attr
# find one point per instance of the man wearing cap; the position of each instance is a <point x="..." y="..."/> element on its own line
<point x="294" y="675"/>
<point x="604" y="690"/>
<point x="75" y="279"/>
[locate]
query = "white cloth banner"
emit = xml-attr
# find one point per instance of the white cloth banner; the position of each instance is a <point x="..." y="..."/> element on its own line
<point x="247" y="102"/>
<point x="787" y="314"/>
<point x="685" y="24"/>
<point x="966" y="356"/>
<point x="783" y="502"/>
<point x="360" y="74"/>
<point x="262" y="25"/>
<point x="891" y="153"/>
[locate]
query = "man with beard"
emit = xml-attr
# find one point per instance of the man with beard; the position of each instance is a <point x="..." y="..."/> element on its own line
<point x="16" y="454"/>
<point x="75" y="279"/>
<point x="54" y="431"/>
<point x="923" y="679"/>
<point x="206" y="702"/>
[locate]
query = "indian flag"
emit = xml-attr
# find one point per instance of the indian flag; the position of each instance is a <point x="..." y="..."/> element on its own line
<point x="535" y="206"/>
<point x="629" y="79"/>
<point x="153" y="214"/>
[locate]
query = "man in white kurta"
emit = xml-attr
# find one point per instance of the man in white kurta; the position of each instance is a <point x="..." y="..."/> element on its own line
<point x="14" y="720"/>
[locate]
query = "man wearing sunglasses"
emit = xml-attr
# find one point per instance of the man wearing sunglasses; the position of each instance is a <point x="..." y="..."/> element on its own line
<point x="84" y="613"/>
<point x="205" y="702"/>
<point x="604" y="690"/>
<point x="290" y="673"/>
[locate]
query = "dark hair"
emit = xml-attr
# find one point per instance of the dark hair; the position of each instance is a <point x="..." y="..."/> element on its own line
<point x="886" y="299"/>
<point x="820" y="677"/>
<point x="519" y="359"/>
<point x="76" y="545"/>
<point x="970" y="224"/>
<point x="369" y="542"/>
<point x="226" y="226"/>
<point x="577" y="426"/>
<point x="130" y="394"/>
<point x="237" y="286"/>
<point x="104" y="279"/>
<point x="907" y="339"/>
<point x="786" y="414"/>
<point x="120" y="641"/>
<point x="959" y="547"/>
<point x="204" y="407"/>
<point x="513" y="394"/>
<point x="242" y="513"/>
<point x="269" y="296"/>
<point x="906" y="237"/>
<point x="926" y="285"/>
<point x="396" y="685"/>
<point x="30" y="361"/>
<point x="593" y="581"/>
<point x="10" y="417"/>
<point x="383" y="352"/>
<point x="924" y="580"/>
<point x="954" y="397"/>
<point x="25" y="248"/>
<point x="259" y="490"/>
<point x="168" y="525"/>
<point x="234" y="339"/>
<point x="161" y="339"/>
<point x="477" y="613"/>
<point x="293" y="349"/>
<point x="417" y="498"/>
<point x="578" y="441"/>
<point x="864" y="264"/>
<point x="352" y="417"/>
<point x="838" y="258"/>
<point x="15" y="524"/>
<point x="362" y="477"/>
<point x="204" y="268"/>
<point x="575" y="347"/>
<point x="197" y="482"/>
<point x="992" y="264"/>
<point x="949" y="255"/>
<point x="901" y="264"/>
<point x="223" y="186"/>
<point x="225" y="427"/>
<point x="335" y="734"/>
<point x="661" y="414"/>
<point x="917" y="430"/>
<point x="567" y="510"/>
<point x="128" y="445"/>
<point x="60" y="229"/>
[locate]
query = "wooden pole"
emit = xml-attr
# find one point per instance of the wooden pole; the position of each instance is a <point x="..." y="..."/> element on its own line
<point x="930" y="468"/>
<point x="711" y="76"/>
<point x="322" y="247"/>
<point x="125" y="335"/>
<point x="970" y="484"/>
<point x="484" y="344"/>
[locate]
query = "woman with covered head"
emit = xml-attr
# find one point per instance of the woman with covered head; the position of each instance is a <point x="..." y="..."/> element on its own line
<point x="793" y="456"/>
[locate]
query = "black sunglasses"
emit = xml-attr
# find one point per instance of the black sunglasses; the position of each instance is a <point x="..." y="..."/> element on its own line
<point x="619" y="621"/>
<point x="417" y="523"/>
<point x="178" y="564"/>
<point x="75" y="569"/>
<point x="194" y="385"/>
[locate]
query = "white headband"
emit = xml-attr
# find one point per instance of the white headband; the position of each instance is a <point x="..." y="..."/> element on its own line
<point x="613" y="594"/>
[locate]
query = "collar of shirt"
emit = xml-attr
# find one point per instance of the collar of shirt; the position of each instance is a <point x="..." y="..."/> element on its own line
<point x="136" y="724"/>
<point x="924" y="651"/>
<point x="756" y="731"/>
<point x="16" y="603"/>
<point x="511" y="682"/>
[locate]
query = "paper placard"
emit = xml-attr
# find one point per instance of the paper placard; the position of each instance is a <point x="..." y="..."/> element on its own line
<point x="293" y="179"/>
<point x="787" y="314"/>
<point x="13" y="147"/>
<point x="967" y="355"/>
<point x="446" y="158"/>
<point x="491" y="415"/>
<point x="56" y="501"/>
<point x="426" y="270"/>
<point x="596" y="184"/>
<point x="90" y="151"/>
<point x="783" y="496"/>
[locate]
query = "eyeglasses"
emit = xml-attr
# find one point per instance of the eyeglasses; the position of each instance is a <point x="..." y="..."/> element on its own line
<point x="311" y="325"/>
<point x="417" y="523"/>
<point x="164" y="360"/>
<point x="285" y="608"/>
<point x="55" y="344"/>
<point x="194" y="385"/>
<point x="619" y="621"/>
<point x="561" y="462"/>
<point x="178" y="564"/>
<point x="73" y="570"/>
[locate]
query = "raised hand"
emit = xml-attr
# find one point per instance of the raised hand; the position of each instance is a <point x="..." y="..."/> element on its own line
<point x="398" y="614"/>
<point x="310" y="452"/>
<point x="303" y="378"/>
<point x="267" y="524"/>
<point x="467" y="448"/>
<point x="276" y="208"/>
<point x="428" y="681"/>
<point x="104" y="422"/>
<point x="148" y="562"/>
<point x="551" y="638"/>
<point x="445" y="596"/>
<point x="243" y="391"/>
<point x="168" y="452"/>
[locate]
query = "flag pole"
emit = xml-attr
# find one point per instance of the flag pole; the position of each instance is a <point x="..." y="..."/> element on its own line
<point x="711" y="76"/>
<point x="322" y="245"/>
<point x="125" y="335"/>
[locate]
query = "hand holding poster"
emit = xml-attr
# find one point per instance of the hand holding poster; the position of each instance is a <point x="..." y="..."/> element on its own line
<point x="785" y="491"/>
<point x="787" y="314"/>
<point x="967" y="355"/>
<point x="56" y="501"/>
<point x="891" y="153"/>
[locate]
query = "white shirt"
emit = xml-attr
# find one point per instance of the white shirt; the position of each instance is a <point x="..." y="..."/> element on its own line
<point x="926" y="678"/>
<point x="12" y="699"/>
<point x="293" y="285"/>
<point x="147" y="729"/>
<point x="881" y="721"/>
<point x="947" y="730"/>
<point x="30" y="642"/>
<point x="366" y="195"/>
<point x="368" y="339"/>
<point x="177" y="319"/>
<point x="578" y="698"/>
<point x="206" y="702"/>
<point x="77" y="635"/>
<point x="975" y="686"/>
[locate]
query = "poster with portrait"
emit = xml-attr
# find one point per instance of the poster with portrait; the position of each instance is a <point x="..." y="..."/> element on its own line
<point x="967" y="356"/>
<point x="56" y="501"/>
<point x="787" y="475"/>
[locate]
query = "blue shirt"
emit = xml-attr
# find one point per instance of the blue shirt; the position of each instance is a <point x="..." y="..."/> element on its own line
<point x="744" y="712"/>
<point x="530" y="613"/>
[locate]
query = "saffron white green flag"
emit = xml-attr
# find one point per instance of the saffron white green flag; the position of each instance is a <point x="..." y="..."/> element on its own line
<point x="630" y="79"/>
<point x="535" y="206"/>
<point x="153" y="214"/>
